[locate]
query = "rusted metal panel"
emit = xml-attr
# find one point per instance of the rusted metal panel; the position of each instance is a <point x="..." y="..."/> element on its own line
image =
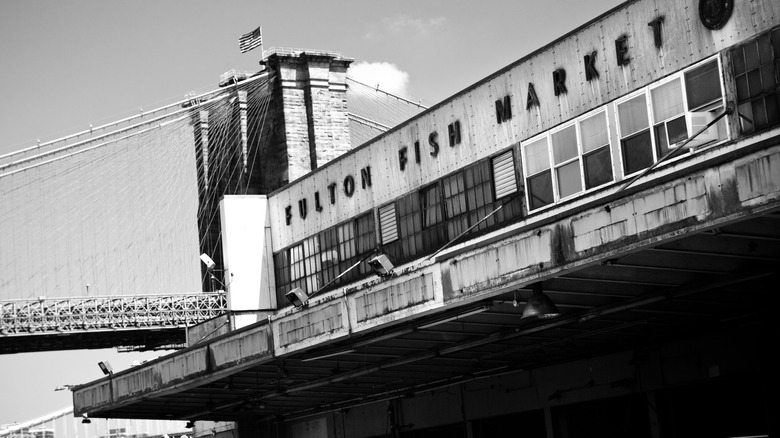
<point x="758" y="178"/>
<point x="666" y="205"/>
<point x="183" y="366"/>
<point x="160" y="374"/>
<point x="672" y="203"/>
<point x="92" y="397"/>
<point x="323" y="320"/>
<point x="511" y="256"/>
<point x="396" y="299"/>
<point x="242" y="347"/>
<point x="136" y="382"/>
<point x="595" y="228"/>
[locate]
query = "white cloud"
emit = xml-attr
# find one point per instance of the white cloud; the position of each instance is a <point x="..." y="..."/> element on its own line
<point x="389" y="77"/>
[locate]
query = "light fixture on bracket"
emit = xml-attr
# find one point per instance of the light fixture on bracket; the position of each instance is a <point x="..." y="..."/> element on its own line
<point x="297" y="297"/>
<point x="381" y="265"/>
<point x="85" y="419"/>
<point x="208" y="262"/>
<point x="539" y="305"/>
<point x="106" y="368"/>
<point x="210" y="268"/>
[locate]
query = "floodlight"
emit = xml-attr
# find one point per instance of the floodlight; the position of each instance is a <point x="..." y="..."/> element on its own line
<point x="297" y="297"/>
<point x="207" y="261"/>
<point x="381" y="265"/>
<point x="85" y="419"/>
<point x="106" y="368"/>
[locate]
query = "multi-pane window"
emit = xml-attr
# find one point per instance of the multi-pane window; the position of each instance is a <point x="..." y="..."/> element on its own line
<point x="468" y="197"/>
<point x="431" y="205"/>
<point x="455" y="204"/>
<point x="434" y="215"/>
<point x="347" y="250"/>
<point x="537" y="171"/>
<point x="756" y="66"/>
<point x="569" y="160"/>
<point x="669" y="115"/>
<point x="409" y="242"/>
<point x="290" y="272"/>
<point x="434" y="231"/>
<point x="319" y="259"/>
<point x="329" y="255"/>
<point x="365" y="239"/>
<point x="311" y="263"/>
<point x="654" y="120"/>
<point x="636" y="144"/>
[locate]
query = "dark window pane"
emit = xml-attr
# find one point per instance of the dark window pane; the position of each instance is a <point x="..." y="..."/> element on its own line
<point x="677" y="129"/>
<point x="540" y="192"/>
<point x="598" y="168"/>
<point x="738" y="57"/>
<point x="754" y="81"/>
<point x="431" y="206"/>
<point x="768" y="77"/>
<point x="759" y="114"/>
<point x="661" y="141"/>
<point x="776" y="42"/>
<point x="702" y="85"/>
<point x="637" y="152"/>
<point x="764" y="49"/>
<point x="746" y="110"/>
<point x="743" y="91"/>
<point x="751" y="56"/>
<point x="772" y="109"/>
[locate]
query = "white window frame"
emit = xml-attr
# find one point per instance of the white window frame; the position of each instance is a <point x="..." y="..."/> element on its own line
<point x="647" y="92"/>
<point x="557" y="198"/>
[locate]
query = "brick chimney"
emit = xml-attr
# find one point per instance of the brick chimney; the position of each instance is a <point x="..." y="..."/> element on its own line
<point x="310" y="112"/>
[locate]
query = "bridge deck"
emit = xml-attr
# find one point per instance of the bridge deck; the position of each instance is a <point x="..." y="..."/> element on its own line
<point x="134" y="322"/>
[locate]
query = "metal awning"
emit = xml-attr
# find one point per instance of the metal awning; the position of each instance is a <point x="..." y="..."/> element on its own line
<point x="715" y="280"/>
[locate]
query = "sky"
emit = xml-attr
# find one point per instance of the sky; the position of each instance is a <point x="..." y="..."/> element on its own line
<point x="66" y="65"/>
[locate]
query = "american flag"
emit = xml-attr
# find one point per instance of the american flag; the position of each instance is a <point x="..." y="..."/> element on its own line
<point x="249" y="41"/>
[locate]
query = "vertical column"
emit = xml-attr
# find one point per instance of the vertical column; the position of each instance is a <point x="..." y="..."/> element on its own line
<point x="203" y="129"/>
<point x="242" y="105"/>
<point x="310" y="104"/>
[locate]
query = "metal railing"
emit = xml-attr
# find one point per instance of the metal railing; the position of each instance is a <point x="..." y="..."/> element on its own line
<point x="79" y="314"/>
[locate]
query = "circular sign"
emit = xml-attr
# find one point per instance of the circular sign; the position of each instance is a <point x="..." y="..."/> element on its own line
<point x="715" y="13"/>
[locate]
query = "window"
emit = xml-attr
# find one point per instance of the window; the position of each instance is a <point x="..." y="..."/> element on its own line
<point x="329" y="255"/>
<point x="319" y="259"/>
<point x="311" y="263"/>
<point x="755" y="72"/>
<point x="569" y="160"/>
<point x="537" y="167"/>
<point x="468" y="198"/>
<point x="290" y="272"/>
<point x="635" y="141"/>
<point x="669" y="115"/>
<point x="431" y="205"/>
<point x="434" y="231"/>
<point x="676" y="109"/>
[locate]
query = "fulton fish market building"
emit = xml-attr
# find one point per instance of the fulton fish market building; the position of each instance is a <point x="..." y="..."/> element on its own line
<point x="629" y="172"/>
